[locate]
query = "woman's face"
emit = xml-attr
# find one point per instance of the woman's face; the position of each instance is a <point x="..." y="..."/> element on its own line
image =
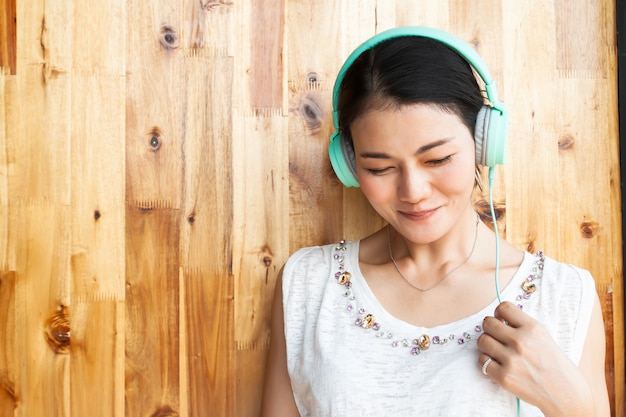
<point x="416" y="166"/>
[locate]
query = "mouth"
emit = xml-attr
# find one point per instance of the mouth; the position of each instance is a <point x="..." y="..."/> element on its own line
<point x="418" y="215"/>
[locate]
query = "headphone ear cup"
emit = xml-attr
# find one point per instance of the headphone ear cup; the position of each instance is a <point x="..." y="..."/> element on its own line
<point x="343" y="160"/>
<point x="498" y="129"/>
<point x="490" y="136"/>
<point x="481" y="135"/>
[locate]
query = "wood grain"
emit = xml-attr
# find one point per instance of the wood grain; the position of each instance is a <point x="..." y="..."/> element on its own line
<point x="8" y="41"/>
<point x="152" y="348"/>
<point x="206" y="251"/>
<point x="8" y="345"/>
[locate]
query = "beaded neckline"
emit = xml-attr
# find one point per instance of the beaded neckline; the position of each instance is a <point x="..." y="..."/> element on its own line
<point x="417" y="344"/>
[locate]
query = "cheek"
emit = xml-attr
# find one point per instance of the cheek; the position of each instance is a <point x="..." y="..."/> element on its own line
<point x="458" y="181"/>
<point x="374" y="189"/>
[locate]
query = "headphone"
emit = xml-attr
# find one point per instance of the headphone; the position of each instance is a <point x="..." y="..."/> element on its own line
<point x="491" y="122"/>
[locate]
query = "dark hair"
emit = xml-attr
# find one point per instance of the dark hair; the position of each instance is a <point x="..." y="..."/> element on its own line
<point x="409" y="70"/>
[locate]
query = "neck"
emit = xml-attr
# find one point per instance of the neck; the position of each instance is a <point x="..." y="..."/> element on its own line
<point x="429" y="262"/>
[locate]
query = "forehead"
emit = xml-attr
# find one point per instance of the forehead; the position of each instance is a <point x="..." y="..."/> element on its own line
<point x="416" y="112"/>
<point x="414" y="124"/>
<point x="389" y="105"/>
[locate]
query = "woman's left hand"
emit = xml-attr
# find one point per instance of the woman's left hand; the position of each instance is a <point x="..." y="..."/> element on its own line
<point x="527" y="362"/>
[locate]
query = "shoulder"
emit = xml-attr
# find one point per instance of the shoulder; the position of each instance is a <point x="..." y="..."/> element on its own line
<point x="307" y="283"/>
<point x="567" y="294"/>
<point x="572" y="289"/>
<point x="307" y="271"/>
<point x="308" y="259"/>
<point x="566" y="280"/>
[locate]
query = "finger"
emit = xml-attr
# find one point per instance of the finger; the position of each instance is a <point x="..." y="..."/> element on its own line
<point x="497" y="328"/>
<point x="511" y="315"/>
<point x="495" y="338"/>
<point x="487" y="364"/>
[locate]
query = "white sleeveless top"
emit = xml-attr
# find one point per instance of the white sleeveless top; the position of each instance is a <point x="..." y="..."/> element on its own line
<point x="347" y="356"/>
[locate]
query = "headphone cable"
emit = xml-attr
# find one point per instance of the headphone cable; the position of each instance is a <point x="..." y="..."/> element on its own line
<point x="495" y="230"/>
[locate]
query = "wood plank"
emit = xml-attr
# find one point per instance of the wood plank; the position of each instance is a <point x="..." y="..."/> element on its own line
<point x="531" y="167"/>
<point x="208" y="309"/>
<point x="206" y="234"/>
<point x="266" y="50"/>
<point x="616" y="286"/>
<point x="39" y="196"/>
<point x="42" y="311"/>
<point x="260" y="241"/>
<point x="98" y="189"/>
<point x="152" y="302"/>
<point x="97" y="356"/>
<point x="40" y="147"/>
<point x="98" y="241"/>
<point x="261" y="207"/>
<point x="154" y="175"/>
<point x="8" y="34"/>
<point x="153" y="107"/>
<point x="9" y="364"/>
<point x="7" y="141"/>
<point x="96" y="46"/>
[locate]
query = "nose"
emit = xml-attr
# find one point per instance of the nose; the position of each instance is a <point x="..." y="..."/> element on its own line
<point x="413" y="185"/>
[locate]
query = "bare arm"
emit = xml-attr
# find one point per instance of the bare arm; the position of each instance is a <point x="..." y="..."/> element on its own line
<point x="592" y="361"/>
<point x="277" y="394"/>
<point x="529" y="364"/>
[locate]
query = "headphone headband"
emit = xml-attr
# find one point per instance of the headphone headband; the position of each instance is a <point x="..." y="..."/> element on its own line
<point x="491" y="129"/>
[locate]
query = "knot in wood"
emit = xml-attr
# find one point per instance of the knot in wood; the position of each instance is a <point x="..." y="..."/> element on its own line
<point x="57" y="331"/>
<point x="155" y="139"/>
<point x="313" y="80"/>
<point x="312" y="113"/>
<point x="168" y="38"/>
<point x="566" y="141"/>
<point x="267" y="256"/>
<point x="588" y="229"/>
<point x="210" y="5"/>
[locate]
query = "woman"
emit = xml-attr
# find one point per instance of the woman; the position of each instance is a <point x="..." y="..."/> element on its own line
<point x="409" y="320"/>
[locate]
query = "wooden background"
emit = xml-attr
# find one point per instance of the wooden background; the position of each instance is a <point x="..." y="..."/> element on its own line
<point x="159" y="161"/>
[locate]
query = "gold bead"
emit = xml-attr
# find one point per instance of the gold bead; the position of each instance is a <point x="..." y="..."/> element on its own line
<point x="529" y="286"/>
<point x="423" y="342"/>
<point x="368" y="321"/>
<point x="345" y="277"/>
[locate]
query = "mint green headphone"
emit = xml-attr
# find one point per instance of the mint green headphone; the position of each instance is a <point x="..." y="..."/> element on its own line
<point x="491" y="122"/>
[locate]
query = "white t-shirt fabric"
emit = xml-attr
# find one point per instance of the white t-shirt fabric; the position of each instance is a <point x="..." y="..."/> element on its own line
<point x="341" y="366"/>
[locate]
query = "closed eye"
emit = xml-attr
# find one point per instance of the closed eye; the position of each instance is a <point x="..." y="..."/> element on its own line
<point x="436" y="162"/>
<point x="378" y="171"/>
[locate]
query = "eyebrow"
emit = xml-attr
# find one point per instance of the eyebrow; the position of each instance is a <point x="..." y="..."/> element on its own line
<point x="421" y="150"/>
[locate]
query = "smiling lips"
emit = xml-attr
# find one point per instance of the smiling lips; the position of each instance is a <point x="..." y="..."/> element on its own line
<point x="418" y="215"/>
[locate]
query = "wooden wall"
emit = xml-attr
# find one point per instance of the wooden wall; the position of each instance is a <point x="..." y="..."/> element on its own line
<point x="159" y="161"/>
